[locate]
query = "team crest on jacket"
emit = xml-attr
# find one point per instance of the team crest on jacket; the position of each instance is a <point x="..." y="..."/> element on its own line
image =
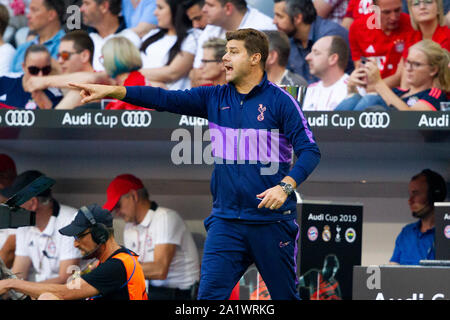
<point x="261" y="109"/>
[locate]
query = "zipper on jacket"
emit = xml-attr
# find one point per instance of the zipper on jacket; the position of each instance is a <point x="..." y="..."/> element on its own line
<point x="238" y="155"/>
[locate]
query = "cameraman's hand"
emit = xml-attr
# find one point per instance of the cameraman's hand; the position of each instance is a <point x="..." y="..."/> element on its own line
<point x="3" y="287"/>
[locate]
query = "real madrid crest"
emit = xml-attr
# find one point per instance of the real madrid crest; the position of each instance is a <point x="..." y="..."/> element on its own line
<point x="326" y="234"/>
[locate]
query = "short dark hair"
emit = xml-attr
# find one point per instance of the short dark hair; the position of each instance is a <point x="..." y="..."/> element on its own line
<point x="304" y="7"/>
<point x="279" y="42"/>
<point x="34" y="48"/>
<point x="437" y="187"/>
<point x="190" y="3"/>
<point x="56" y="5"/>
<point x="254" y="41"/>
<point x="4" y="19"/>
<point x="340" y="47"/>
<point x="241" y="5"/>
<point x="115" y="6"/>
<point x="81" y="41"/>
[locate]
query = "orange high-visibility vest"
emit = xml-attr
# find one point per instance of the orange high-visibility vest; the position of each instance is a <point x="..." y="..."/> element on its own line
<point x="135" y="275"/>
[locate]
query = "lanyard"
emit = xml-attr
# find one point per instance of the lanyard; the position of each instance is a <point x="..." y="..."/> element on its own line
<point x="43" y="253"/>
<point x="143" y="252"/>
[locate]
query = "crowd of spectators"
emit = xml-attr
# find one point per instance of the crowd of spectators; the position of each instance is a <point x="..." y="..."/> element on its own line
<point x="365" y="52"/>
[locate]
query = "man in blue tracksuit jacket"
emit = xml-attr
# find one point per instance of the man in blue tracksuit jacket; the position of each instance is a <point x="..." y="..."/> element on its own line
<point x="254" y="127"/>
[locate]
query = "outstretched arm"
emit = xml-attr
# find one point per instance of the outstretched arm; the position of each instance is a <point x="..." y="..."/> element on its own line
<point x="189" y="102"/>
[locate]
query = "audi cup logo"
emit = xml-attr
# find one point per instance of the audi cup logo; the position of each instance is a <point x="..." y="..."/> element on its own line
<point x="374" y="120"/>
<point x="136" y="119"/>
<point x="19" y="118"/>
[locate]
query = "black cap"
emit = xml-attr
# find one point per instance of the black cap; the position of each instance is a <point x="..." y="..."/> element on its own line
<point x="81" y="222"/>
<point x="23" y="180"/>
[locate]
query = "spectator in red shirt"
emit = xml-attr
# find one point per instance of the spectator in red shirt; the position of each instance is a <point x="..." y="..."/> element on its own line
<point x="122" y="62"/>
<point x="426" y="65"/>
<point x="428" y="21"/>
<point x="383" y="38"/>
<point x="355" y="10"/>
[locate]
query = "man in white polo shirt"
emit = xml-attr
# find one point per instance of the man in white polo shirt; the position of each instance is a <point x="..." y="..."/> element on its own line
<point x="327" y="61"/>
<point x="41" y="248"/>
<point x="159" y="236"/>
<point x="102" y="16"/>
<point x="223" y="16"/>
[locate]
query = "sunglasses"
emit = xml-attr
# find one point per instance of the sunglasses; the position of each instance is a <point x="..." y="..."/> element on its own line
<point x="65" y="55"/>
<point x="35" y="70"/>
<point x="81" y="236"/>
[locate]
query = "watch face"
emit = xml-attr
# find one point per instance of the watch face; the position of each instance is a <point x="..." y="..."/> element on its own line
<point x="287" y="188"/>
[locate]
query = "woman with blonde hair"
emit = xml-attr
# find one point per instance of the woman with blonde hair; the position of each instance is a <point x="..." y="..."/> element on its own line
<point x="426" y="65"/>
<point x="122" y="61"/>
<point x="428" y="21"/>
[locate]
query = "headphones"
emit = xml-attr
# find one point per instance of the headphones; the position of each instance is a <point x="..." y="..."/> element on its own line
<point x="99" y="232"/>
<point x="437" y="189"/>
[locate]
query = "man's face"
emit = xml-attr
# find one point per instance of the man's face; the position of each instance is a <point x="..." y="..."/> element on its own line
<point x="236" y="61"/>
<point x="126" y="208"/>
<point x="37" y="61"/>
<point x="318" y="57"/>
<point x="198" y="19"/>
<point x="37" y="16"/>
<point x="214" y="12"/>
<point x="282" y="20"/>
<point x="91" y="12"/>
<point x="418" y="194"/>
<point x="390" y="14"/>
<point x="85" y="244"/>
<point x="68" y="58"/>
<point x="210" y="68"/>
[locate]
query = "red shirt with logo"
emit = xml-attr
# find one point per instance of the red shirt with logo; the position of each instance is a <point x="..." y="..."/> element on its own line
<point x="441" y="35"/>
<point x="366" y="40"/>
<point x="358" y="8"/>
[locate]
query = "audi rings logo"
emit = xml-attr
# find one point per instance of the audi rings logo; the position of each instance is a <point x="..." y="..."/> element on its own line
<point x="374" y="120"/>
<point x="136" y="119"/>
<point x="19" y="118"/>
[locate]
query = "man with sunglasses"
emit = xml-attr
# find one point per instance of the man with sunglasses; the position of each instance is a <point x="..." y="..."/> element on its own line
<point x="12" y="90"/>
<point x="75" y="58"/>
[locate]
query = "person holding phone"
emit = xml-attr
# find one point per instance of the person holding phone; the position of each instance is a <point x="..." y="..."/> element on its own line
<point x="426" y="65"/>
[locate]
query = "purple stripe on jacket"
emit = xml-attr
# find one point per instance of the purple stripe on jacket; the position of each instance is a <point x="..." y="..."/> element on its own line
<point x="308" y="132"/>
<point x="253" y="145"/>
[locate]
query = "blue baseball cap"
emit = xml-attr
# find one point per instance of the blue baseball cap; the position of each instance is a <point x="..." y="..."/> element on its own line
<point x="82" y="222"/>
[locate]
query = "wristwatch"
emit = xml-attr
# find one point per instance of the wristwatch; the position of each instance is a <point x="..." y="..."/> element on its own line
<point x="287" y="188"/>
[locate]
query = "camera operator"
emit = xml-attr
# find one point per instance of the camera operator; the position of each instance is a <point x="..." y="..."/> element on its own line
<point x="42" y="248"/>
